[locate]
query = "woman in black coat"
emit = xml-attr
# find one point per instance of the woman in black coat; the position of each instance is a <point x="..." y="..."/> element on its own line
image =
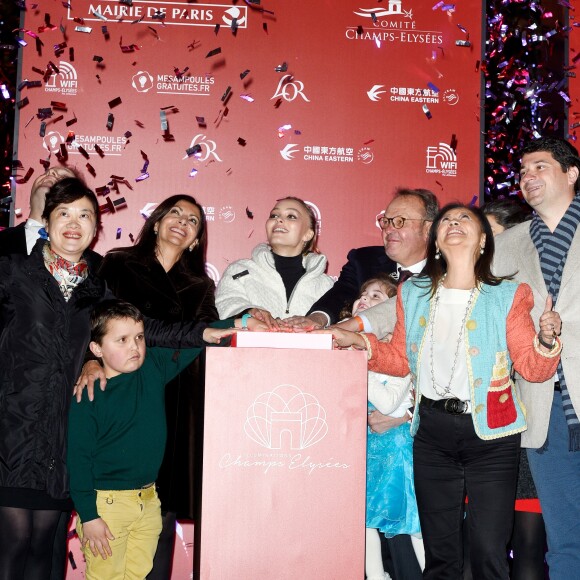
<point x="163" y="274"/>
<point x="45" y="302"/>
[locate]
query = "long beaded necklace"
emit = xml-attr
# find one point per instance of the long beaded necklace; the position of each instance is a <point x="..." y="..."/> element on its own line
<point x="447" y="390"/>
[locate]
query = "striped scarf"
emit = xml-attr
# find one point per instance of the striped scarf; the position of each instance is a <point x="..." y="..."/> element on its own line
<point x="553" y="250"/>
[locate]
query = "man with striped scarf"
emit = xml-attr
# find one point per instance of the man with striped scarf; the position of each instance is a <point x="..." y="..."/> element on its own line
<point x="545" y="253"/>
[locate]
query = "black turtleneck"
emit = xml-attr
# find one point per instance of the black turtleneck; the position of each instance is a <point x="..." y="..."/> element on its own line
<point x="290" y="269"/>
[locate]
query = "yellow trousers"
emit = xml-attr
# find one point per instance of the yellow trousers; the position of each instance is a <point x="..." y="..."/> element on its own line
<point x="134" y="518"/>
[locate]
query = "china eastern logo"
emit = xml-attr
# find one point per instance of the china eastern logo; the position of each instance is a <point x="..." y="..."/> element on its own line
<point x="63" y="80"/>
<point x="441" y="159"/>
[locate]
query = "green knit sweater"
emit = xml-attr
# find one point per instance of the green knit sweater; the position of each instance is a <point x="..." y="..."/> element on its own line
<point x="118" y="440"/>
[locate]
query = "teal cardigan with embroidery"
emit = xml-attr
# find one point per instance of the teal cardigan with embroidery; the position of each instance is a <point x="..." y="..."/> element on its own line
<point x="499" y="334"/>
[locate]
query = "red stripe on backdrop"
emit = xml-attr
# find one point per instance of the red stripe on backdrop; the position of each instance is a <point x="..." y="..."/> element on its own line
<point x="342" y="103"/>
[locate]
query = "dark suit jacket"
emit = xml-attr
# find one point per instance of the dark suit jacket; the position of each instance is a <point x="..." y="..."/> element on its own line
<point x="13" y="240"/>
<point x="362" y="264"/>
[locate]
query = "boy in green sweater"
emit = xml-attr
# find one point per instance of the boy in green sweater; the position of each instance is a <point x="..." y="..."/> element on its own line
<point x="116" y="443"/>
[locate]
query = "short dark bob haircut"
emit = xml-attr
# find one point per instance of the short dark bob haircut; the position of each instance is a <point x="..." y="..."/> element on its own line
<point x="107" y="310"/>
<point x="69" y="190"/>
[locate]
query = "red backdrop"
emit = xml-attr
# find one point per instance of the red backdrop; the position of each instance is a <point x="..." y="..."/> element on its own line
<point x="343" y="102"/>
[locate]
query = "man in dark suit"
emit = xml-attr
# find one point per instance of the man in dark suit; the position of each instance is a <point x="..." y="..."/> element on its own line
<point x="405" y="227"/>
<point x="21" y="239"/>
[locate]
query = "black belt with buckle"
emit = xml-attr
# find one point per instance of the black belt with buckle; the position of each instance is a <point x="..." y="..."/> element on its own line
<point x="452" y="406"/>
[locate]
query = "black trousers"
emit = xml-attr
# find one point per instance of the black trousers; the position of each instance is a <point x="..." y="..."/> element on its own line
<point x="450" y="460"/>
<point x="399" y="558"/>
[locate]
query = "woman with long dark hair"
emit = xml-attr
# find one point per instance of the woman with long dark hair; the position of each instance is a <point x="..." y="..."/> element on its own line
<point x="460" y="330"/>
<point x="164" y="276"/>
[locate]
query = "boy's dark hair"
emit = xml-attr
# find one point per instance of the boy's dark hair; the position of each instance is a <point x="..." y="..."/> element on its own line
<point x="107" y="310"/>
<point x="68" y="190"/>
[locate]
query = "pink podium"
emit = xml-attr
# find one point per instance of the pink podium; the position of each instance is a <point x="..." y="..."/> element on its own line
<point x="284" y="464"/>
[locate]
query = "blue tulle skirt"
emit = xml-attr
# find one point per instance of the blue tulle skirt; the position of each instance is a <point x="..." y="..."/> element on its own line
<point x="391" y="501"/>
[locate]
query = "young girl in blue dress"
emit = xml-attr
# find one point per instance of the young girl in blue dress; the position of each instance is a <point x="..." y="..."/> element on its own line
<point x="391" y="503"/>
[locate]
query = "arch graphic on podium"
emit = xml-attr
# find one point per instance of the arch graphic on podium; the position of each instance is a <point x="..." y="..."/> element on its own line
<point x="286" y="413"/>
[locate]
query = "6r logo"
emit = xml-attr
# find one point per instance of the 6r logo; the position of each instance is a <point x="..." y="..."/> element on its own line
<point x="289" y="89"/>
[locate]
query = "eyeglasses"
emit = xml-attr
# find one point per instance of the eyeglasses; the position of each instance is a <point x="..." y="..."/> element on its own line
<point x="397" y="222"/>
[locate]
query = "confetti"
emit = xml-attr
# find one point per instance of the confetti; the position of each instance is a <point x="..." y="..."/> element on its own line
<point x="462" y="43"/>
<point x="115" y="102"/>
<point x="249" y="213"/>
<point x="85" y="29"/>
<point x="213" y="52"/>
<point x="98" y="59"/>
<point x="248" y="98"/>
<point x="110" y="121"/>
<point x="118" y="236"/>
<point x="282" y="67"/>
<point x="244" y="74"/>
<point x="193" y="172"/>
<point x="241" y="141"/>
<point x="427" y="112"/>
<point x="226" y="94"/>
<point x="99" y="151"/>
<point x="193" y="150"/>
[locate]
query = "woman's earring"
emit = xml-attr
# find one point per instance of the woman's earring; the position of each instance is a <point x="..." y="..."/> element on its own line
<point x="155" y="231"/>
<point x="437" y="254"/>
<point x="481" y="250"/>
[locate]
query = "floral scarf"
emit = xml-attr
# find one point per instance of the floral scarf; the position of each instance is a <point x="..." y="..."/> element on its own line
<point x="68" y="274"/>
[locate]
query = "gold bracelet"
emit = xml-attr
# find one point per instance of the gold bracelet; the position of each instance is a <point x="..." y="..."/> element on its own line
<point x="367" y="344"/>
<point x="556" y="348"/>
